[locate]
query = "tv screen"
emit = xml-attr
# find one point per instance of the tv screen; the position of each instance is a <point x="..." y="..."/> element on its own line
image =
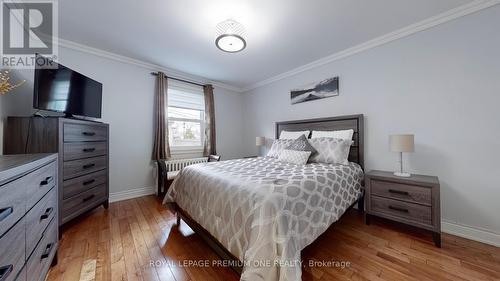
<point x="64" y="90"/>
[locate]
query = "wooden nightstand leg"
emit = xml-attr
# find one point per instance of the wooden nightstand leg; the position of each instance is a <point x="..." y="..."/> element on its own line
<point x="54" y="260"/>
<point x="367" y="219"/>
<point x="361" y="205"/>
<point x="436" y="237"/>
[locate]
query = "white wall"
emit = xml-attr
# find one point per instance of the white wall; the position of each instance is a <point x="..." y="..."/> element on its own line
<point x="442" y="85"/>
<point x="229" y="123"/>
<point x="128" y="99"/>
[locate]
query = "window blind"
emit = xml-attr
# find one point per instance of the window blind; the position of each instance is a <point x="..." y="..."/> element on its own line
<point x="185" y="95"/>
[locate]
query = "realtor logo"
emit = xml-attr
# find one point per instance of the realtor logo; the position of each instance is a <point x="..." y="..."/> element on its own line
<point x="28" y="28"/>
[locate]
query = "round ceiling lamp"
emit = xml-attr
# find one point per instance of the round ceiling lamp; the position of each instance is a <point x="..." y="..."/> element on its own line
<point x="230" y="36"/>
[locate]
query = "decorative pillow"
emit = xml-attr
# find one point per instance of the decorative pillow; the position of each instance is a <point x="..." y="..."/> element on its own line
<point x="301" y="144"/>
<point x="278" y="146"/>
<point x="342" y="134"/>
<point x="293" y="135"/>
<point x="294" y="156"/>
<point x="330" y="150"/>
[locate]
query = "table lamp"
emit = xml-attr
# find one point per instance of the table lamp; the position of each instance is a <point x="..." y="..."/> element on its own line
<point x="260" y="141"/>
<point x="402" y="143"/>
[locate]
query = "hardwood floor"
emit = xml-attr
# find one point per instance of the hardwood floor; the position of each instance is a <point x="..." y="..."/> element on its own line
<point x="122" y="242"/>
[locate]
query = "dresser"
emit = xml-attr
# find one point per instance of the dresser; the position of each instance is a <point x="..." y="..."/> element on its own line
<point x="413" y="201"/>
<point x="82" y="148"/>
<point x="28" y="216"/>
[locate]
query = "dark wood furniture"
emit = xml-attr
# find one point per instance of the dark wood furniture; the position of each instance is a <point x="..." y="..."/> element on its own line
<point x="28" y="216"/>
<point x="213" y="158"/>
<point x="83" y="157"/>
<point x="164" y="182"/>
<point x="413" y="201"/>
<point x="355" y="122"/>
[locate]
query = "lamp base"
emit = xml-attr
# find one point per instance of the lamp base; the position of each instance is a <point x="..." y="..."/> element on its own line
<point x="403" y="175"/>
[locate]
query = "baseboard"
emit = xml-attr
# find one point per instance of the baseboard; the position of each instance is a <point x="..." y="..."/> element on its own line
<point x="132" y="193"/>
<point x="472" y="233"/>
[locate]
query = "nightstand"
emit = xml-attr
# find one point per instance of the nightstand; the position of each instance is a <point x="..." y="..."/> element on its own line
<point x="413" y="201"/>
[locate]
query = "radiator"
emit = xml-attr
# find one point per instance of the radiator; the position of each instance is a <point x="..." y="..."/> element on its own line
<point x="178" y="164"/>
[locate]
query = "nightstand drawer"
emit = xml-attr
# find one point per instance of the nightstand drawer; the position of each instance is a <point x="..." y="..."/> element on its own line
<point x="409" y="211"/>
<point x="406" y="192"/>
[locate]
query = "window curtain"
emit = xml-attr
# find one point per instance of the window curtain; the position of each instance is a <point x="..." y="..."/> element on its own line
<point x="161" y="148"/>
<point x="209" y="145"/>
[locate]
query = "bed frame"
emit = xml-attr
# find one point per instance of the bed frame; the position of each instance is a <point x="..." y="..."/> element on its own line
<point x="354" y="122"/>
<point x="356" y="155"/>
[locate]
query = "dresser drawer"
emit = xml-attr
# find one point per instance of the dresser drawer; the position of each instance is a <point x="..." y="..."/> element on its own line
<point x="84" y="132"/>
<point x="12" y="254"/>
<point x="78" y="185"/>
<point x="40" y="182"/>
<point x="12" y="204"/>
<point x="409" y="193"/>
<point x="413" y="212"/>
<point x="81" y="167"/>
<point x="39" y="262"/>
<point x="38" y="218"/>
<point x="23" y="276"/>
<point x="82" y="202"/>
<point x="80" y="150"/>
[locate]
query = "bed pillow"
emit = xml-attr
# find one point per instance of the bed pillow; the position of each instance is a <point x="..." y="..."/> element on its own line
<point x="331" y="150"/>
<point x="301" y="144"/>
<point x="293" y="135"/>
<point x="278" y="146"/>
<point x="342" y="134"/>
<point x="294" y="156"/>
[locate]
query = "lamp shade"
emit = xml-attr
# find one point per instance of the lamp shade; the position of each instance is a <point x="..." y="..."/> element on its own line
<point x="230" y="36"/>
<point x="260" y="141"/>
<point x="402" y="143"/>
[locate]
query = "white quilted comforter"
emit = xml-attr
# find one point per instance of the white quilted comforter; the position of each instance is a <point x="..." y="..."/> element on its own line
<point x="265" y="211"/>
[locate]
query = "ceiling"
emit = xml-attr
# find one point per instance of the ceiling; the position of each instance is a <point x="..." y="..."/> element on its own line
<point x="281" y="34"/>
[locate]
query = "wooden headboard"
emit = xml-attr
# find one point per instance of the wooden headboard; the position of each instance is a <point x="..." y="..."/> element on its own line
<point x="354" y="122"/>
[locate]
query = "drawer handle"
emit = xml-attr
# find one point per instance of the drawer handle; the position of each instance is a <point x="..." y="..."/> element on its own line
<point x="88" y="182"/>
<point x="88" y="134"/>
<point x="89" y="149"/>
<point x="46" y="181"/>
<point x="46" y="214"/>
<point x="88" y="198"/>
<point x="88" y="166"/>
<point x="4" y="213"/>
<point x="5" y="271"/>
<point x="398" y="209"/>
<point x="398" y="192"/>
<point x="47" y="251"/>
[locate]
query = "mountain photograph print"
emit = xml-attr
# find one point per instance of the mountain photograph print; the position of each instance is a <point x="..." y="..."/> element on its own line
<point x="324" y="89"/>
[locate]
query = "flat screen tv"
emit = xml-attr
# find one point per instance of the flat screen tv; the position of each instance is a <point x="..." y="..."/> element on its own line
<point x="61" y="89"/>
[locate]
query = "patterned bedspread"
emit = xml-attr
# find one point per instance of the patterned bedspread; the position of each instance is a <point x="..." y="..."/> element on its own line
<point x="265" y="211"/>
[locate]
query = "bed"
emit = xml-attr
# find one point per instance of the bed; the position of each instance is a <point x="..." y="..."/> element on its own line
<point x="259" y="213"/>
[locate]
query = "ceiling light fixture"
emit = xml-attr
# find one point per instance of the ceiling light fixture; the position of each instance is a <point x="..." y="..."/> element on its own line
<point x="230" y="36"/>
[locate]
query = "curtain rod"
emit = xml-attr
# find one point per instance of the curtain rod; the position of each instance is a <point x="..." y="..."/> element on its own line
<point x="178" y="79"/>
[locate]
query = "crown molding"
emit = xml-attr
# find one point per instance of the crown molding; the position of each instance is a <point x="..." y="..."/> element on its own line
<point x="149" y="66"/>
<point x="428" y="23"/>
<point x="472" y="7"/>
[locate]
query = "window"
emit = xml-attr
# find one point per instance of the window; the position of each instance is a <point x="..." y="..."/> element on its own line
<point x="186" y="116"/>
